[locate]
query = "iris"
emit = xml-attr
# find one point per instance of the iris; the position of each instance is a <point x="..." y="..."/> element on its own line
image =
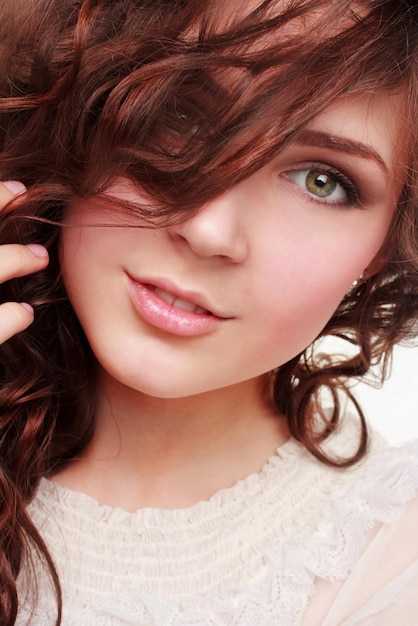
<point x="320" y="183"/>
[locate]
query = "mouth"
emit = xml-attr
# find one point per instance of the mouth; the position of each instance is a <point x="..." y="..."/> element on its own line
<point x="178" y="312"/>
<point x="178" y="303"/>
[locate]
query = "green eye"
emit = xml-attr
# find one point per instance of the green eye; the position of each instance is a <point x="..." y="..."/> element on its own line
<point x="320" y="184"/>
<point x="324" y="185"/>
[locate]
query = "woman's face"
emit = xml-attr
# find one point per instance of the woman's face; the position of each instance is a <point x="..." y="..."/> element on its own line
<point x="250" y="280"/>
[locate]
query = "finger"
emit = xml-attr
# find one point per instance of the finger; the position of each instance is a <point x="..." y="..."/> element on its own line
<point x="14" y="317"/>
<point x="18" y="260"/>
<point x="8" y="190"/>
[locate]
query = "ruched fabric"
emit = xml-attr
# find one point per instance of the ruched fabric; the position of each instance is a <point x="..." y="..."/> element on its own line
<point x="298" y="544"/>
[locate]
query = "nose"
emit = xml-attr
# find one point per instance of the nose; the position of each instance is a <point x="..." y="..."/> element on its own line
<point x="216" y="230"/>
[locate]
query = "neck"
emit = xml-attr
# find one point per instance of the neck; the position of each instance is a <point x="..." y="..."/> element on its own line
<point x="171" y="453"/>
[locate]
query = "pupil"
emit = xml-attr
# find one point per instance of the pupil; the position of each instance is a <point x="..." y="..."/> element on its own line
<point x="320" y="184"/>
<point x="321" y="180"/>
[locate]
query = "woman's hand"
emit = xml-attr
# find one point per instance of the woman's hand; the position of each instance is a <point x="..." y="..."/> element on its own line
<point x="17" y="260"/>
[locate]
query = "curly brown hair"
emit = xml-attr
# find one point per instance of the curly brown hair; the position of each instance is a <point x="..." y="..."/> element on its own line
<point x="185" y="101"/>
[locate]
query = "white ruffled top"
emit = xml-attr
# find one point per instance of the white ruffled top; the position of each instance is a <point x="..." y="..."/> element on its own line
<point x="298" y="544"/>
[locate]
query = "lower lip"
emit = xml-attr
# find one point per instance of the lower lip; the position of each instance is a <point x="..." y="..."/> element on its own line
<point x="159" y="313"/>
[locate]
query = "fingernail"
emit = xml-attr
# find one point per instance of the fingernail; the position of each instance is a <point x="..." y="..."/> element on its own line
<point x="38" y="250"/>
<point x="15" y="186"/>
<point x="28" y="307"/>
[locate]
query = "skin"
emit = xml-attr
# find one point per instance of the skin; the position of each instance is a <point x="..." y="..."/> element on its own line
<point x="17" y="260"/>
<point x="179" y="418"/>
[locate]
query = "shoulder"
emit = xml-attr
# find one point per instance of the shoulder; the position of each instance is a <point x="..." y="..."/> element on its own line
<point x="384" y="480"/>
<point x="372" y="542"/>
<point x="373" y="492"/>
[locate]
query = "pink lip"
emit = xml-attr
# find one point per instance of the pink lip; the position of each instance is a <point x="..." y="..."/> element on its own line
<point x="157" y="312"/>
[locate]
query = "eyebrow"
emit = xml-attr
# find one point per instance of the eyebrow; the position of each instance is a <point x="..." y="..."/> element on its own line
<point x="341" y="144"/>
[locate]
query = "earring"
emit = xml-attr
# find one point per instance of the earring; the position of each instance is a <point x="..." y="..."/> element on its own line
<point x="356" y="283"/>
<point x="359" y="281"/>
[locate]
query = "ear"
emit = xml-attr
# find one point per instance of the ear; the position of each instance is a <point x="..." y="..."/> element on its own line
<point x="376" y="264"/>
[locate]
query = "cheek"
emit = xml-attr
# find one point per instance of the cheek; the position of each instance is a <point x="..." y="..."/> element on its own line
<point x="302" y="283"/>
<point x="85" y="267"/>
<point x="288" y="314"/>
<point x="322" y="250"/>
<point x="300" y="311"/>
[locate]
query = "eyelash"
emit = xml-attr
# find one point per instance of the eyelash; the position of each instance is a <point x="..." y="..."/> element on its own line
<point x="352" y="191"/>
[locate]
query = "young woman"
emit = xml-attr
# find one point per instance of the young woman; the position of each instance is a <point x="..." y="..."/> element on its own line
<point x="195" y="194"/>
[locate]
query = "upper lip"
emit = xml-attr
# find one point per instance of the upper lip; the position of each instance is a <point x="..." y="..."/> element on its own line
<point x="184" y="294"/>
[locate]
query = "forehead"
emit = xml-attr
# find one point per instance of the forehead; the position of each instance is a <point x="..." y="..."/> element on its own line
<point x="372" y="119"/>
<point x="243" y="90"/>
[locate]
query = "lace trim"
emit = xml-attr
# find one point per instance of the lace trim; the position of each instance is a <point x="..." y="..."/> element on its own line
<point x="287" y="565"/>
<point x="387" y="483"/>
<point x="167" y="517"/>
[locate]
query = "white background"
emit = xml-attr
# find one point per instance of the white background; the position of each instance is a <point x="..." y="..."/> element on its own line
<point x="393" y="409"/>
